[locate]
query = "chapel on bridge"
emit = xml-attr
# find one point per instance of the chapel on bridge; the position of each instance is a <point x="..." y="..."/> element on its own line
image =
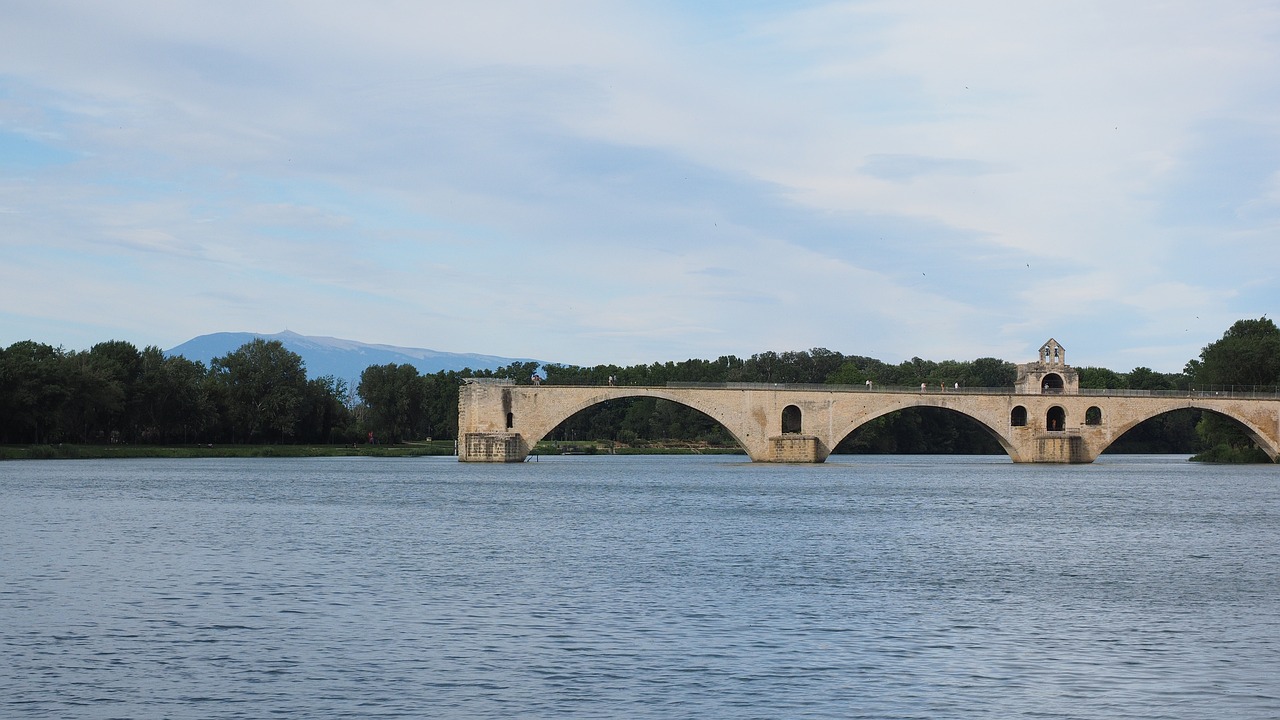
<point x="1050" y="375"/>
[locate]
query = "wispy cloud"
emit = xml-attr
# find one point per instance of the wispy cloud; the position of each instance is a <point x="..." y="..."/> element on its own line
<point x="593" y="182"/>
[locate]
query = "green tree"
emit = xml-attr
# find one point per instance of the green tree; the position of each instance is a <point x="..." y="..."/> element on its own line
<point x="847" y="374"/>
<point x="989" y="372"/>
<point x="172" y="398"/>
<point x="394" y="396"/>
<point x="1144" y="378"/>
<point x="33" y="391"/>
<point x="1093" y="378"/>
<point x="323" y="414"/>
<point x="1247" y="355"/>
<point x="263" y="385"/>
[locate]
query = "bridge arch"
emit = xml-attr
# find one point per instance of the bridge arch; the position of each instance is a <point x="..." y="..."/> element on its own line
<point x="536" y="432"/>
<point x="987" y="424"/>
<point x="1253" y="431"/>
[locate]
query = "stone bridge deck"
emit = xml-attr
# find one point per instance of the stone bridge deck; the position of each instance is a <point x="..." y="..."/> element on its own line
<point x="501" y="422"/>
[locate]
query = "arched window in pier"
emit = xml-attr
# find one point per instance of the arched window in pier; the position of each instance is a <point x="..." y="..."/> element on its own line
<point x="1052" y="384"/>
<point x="1093" y="416"/>
<point x="511" y="420"/>
<point x="1018" y="418"/>
<point x="1055" y="419"/>
<point x="790" y="419"/>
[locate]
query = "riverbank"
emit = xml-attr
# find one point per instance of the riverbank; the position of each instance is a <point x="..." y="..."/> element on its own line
<point x="71" y="451"/>
<point x="68" y="451"/>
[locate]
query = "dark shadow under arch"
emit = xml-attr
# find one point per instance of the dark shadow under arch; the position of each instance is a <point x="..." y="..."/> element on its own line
<point x="1167" y="433"/>
<point x="922" y="430"/>
<point x="643" y="421"/>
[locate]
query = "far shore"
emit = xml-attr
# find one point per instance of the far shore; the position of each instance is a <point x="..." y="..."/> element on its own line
<point x="429" y="448"/>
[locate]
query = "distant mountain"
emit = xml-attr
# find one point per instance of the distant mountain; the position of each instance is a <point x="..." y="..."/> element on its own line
<point x="343" y="359"/>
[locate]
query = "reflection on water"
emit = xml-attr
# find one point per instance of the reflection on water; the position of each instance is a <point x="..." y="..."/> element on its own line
<point x="639" y="587"/>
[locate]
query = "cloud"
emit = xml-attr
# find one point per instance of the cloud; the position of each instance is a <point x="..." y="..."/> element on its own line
<point x="630" y="182"/>
<point x="903" y="168"/>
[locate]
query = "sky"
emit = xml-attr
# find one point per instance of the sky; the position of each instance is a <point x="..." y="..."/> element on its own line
<point x="632" y="182"/>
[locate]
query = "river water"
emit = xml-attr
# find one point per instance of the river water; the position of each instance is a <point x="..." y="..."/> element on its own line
<point x="698" y="587"/>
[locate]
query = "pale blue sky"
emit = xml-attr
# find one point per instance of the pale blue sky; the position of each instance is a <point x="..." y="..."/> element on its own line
<point x="595" y="182"/>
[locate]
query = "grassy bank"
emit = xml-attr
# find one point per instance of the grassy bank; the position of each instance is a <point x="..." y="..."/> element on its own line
<point x="67" y="451"/>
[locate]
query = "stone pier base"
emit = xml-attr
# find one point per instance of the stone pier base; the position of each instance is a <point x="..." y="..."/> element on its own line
<point x="795" y="449"/>
<point x="1061" y="448"/>
<point x="492" y="447"/>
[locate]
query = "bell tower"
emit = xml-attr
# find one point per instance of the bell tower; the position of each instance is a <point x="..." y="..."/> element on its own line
<point x="1049" y="375"/>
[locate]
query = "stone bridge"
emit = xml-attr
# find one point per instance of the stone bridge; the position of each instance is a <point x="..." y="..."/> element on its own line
<point x="1046" y="417"/>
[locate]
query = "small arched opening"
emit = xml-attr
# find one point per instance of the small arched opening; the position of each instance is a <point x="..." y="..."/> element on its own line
<point x="791" y="419"/>
<point x="1018" y="417"/>
<point x="511" y="420"/>
<point x="1052" y="384"/>
<point x="1055" y="419"/>
<point x="1093" y="416"/>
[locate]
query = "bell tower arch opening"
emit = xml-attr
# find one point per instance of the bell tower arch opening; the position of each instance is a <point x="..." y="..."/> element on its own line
<point x="1051" y="384"/>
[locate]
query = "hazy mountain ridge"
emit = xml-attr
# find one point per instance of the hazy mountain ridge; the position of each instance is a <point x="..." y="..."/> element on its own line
<point x="341" y="358"/>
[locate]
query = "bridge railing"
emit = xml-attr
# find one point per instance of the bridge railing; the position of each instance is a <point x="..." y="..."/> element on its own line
<point x="822" y="387"/>
<point x="1253" y="392"/>
<point x="1243" y="392"/>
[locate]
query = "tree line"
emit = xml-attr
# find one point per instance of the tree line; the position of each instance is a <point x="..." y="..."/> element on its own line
<point x="260" y="393"/>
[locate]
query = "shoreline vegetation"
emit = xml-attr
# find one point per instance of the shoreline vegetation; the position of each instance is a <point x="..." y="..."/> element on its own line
<point x="428" y="448"/>
<point x="114" y="400"/>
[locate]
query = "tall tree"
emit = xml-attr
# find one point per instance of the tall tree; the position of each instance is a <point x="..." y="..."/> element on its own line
<point x="1247" y="357"/>
<point x="1248" y="354"/>
<point x="33" y="391"/>
<point x="394" y="395"/>
<point x="264" y="384"/>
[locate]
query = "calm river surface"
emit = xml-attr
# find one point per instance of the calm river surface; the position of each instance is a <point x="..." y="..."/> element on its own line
<point x="610" y="587"/>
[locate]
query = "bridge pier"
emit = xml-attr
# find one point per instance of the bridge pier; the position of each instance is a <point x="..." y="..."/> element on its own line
<point x="1062" y="447"/>
<point x="501" y="447"/>
<point x="794" y="448"/>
